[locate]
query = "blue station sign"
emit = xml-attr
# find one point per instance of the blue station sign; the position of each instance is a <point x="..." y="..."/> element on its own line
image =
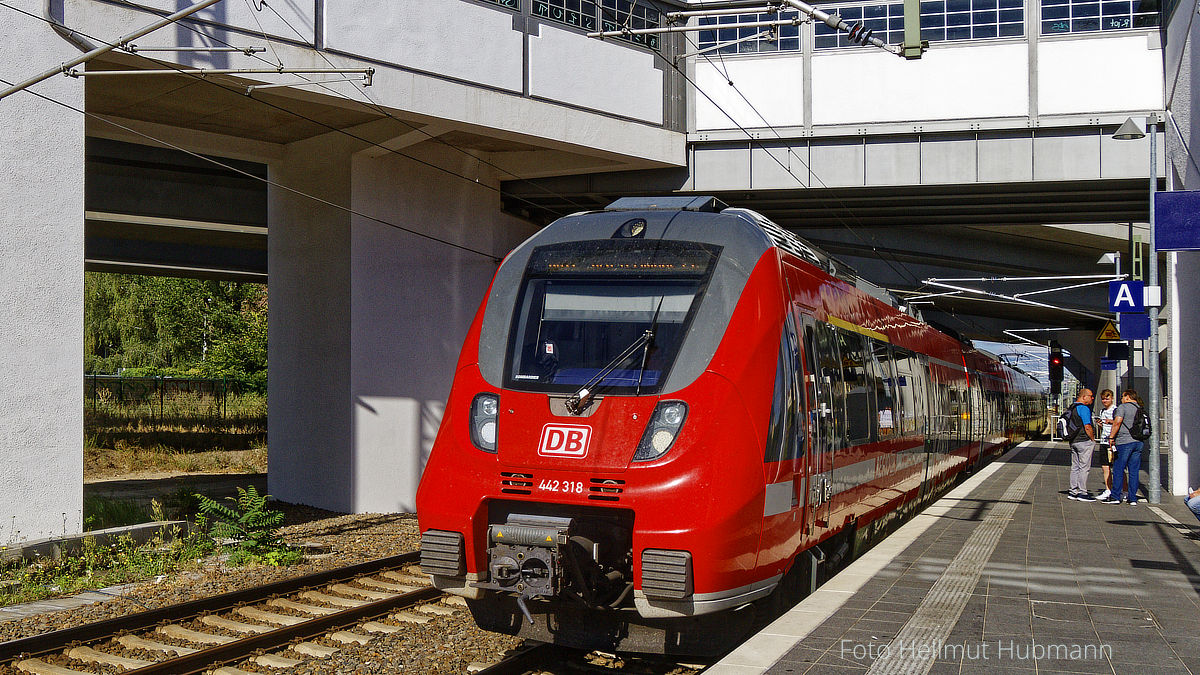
<point x="1126" y="296"/>
<point x="1177" y="220"/>
<point x="1134" y="326"/>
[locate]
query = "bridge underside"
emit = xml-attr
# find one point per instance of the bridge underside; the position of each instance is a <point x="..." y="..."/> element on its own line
<point x="902" y="236"/>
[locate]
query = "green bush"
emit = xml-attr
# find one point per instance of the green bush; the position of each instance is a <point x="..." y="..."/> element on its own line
<point x="252" y="529"/>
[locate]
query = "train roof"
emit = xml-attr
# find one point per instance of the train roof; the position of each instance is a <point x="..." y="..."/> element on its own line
<point x="780" y="237"/>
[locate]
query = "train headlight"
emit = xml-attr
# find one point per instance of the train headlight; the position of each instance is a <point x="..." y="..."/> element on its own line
<point x="660" y="433"/>
<point x="484" y="410"/>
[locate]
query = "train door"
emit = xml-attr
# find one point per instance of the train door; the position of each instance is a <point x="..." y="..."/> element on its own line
<point x="923" y="397"/>
<point x="823" y="378"/>
<point x="978" y="418"/>
<point x="782" y="513"/>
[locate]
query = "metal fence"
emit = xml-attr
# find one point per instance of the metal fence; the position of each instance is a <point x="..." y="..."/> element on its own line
<point x="161" y="397"/>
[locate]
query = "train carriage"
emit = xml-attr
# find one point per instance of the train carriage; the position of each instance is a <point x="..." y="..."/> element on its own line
<point x="669" y="409"/>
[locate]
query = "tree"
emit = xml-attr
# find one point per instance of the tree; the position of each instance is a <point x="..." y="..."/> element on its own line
<point x="185" y="326"/>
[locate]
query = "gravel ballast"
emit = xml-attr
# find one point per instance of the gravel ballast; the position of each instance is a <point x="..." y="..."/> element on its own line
<point x="446" y="644"/>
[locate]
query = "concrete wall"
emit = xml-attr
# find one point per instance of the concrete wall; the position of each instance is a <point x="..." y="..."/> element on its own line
<point x="412" y="301"/>
<point x="368" y="315"/>
<point x="41" y="291"/>
<point x="465" y="41"/>
<point x="1183" y="384"/>
<point x="1183" y="276"/>
<point x="977" y="83"/>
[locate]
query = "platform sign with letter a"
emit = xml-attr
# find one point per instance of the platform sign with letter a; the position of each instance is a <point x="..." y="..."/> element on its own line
<point x="1109" y="334"/>
<point x="1126" y="296"/>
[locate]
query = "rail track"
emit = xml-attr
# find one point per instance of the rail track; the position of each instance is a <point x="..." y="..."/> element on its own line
<point x="272" y="626"/>
<point x="281" y="625"/>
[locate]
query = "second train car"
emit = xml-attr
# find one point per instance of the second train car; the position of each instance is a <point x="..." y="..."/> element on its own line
<point x="668" y="410"/>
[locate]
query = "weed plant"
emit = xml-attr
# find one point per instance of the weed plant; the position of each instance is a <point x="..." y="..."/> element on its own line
<point x="96" y="566"/>
<point x="251" y="530"/>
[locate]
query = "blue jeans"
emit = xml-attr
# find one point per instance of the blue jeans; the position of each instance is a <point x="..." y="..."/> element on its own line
<point x="1193" y="503"/>
<point x="1128" y="455"/>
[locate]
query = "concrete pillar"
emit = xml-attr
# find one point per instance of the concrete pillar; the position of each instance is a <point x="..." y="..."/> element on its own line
<point x="308" y="260"/>
<point x="368" y="290"/>
<point x="1183" y="277"/>
<point x="41" y="289"/>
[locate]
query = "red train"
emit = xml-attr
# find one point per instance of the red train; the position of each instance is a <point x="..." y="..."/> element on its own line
<point x="668" y="410"/>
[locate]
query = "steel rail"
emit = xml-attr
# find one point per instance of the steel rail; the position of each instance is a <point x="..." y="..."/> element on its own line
<point x="55" y="640"/>
<point x="206" y="659"/>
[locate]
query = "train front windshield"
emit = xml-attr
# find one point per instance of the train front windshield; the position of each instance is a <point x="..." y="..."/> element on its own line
<point x="611" y="309"/>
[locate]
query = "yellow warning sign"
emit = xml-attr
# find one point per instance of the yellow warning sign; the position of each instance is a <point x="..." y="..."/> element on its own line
<point x="1109" y="334"/>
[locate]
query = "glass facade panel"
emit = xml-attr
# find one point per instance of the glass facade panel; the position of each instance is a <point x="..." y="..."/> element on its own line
<point x="1084" y="16"/>
<point x="592" y="15"/>
<point x="967" y="19"/>
<point x="762" y="39"/>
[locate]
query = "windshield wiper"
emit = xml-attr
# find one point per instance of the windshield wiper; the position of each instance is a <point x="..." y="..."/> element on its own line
<point x="649" y="343"/>
<point x="580" y="399"/>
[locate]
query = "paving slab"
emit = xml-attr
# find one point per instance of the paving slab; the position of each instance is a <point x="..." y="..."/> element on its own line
<point x="1005" y="574"/>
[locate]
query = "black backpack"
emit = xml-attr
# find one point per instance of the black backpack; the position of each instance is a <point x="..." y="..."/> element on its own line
<point x="1070" y="423"/>
<point x="1139" y="428"/>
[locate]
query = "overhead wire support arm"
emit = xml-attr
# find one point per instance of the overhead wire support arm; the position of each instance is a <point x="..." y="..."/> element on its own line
<point x="623" y="32"/>
<point x="365" y="72"/>
<point x="676" y="16"/>
<point x="727" y="43"/>
<point x="365" y="79"/>
<point x="856" y="32"/>
<point x="104" y="49"/>
<point x="248" y="51"/>
<point x="990" y="294"/>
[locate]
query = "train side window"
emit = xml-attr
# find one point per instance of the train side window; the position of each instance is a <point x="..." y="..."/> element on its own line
<point x="956" y="410"/>
<point x="886" y="402"/>
<point x="776" y="427"/>
<point x="943" y="415"/>
<point x="830" y="372"/>
<point x="796" y="437"/>
<point x="784" y="440"/>
<point x="906" y="388"/>
<point x="856" y="380"/>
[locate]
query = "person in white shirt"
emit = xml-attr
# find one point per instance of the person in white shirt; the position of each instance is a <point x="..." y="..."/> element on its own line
<point x="1104" y="449"/>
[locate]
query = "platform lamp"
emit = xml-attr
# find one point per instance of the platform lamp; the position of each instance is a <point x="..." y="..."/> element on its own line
<point x="1130" y="131"/>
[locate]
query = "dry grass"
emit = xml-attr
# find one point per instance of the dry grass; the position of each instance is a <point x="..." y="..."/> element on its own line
<point x="188" y="436"/>
<point x="101" y="463"/>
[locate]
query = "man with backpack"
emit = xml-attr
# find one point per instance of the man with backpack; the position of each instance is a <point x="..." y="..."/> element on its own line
<point x="1129" y="422"/>
<point x="1082" y="438"/>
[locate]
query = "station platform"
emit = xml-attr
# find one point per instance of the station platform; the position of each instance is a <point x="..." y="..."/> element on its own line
<point x="1004" y="574"/>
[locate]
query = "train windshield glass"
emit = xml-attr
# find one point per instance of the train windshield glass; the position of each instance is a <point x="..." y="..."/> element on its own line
<point x="585" y="306"/>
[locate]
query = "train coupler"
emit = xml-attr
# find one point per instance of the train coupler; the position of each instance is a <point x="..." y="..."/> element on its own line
<point x="525" y="557"/>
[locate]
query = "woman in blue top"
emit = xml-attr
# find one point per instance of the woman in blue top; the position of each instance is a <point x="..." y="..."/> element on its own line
<point x="1129" y="449"/>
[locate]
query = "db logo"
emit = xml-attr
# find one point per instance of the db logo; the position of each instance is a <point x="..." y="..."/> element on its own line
<point x="564" y="440"/>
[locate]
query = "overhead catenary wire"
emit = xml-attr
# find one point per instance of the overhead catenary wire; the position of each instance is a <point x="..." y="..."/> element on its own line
<point x="874" y="249"/>
<point x="372" y="104"/>
<point x="247" y="174"/>
<point x="369" y="104"/>
<point x="349" y="134"/>
<point x="106" y="47"/>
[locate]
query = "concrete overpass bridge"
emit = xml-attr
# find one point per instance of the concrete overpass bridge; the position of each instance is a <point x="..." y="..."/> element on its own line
<point x="378" y="214"/>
